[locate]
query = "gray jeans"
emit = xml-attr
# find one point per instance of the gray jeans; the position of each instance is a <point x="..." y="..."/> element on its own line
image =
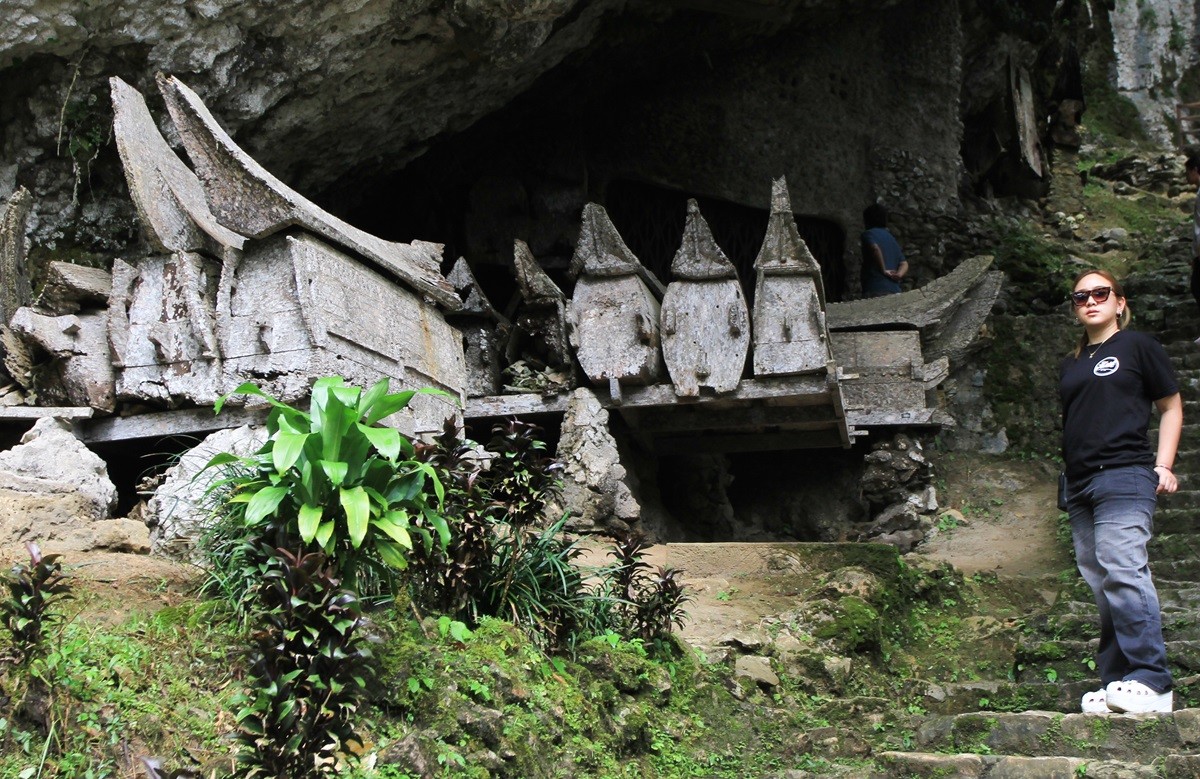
<point x="1112" y="513"/>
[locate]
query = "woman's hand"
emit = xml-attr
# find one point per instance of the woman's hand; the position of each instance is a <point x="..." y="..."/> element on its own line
<point x="1166" y="480"/>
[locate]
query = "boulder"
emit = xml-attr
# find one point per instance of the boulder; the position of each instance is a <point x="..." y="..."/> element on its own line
<point x="51" y="460"/>
<point x="53" y="488"/>
<point x="757" y="669"/>
<point x="180" y="507"/>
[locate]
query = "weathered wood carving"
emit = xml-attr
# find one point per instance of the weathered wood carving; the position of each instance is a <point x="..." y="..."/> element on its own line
<point x="705" y="322"/>
<point x="614" y="313"/>
<point x="249" y="200"/>
<point x="484" y="331"/>
<point x="789" y="298"/>
<point x="542" y="317"/>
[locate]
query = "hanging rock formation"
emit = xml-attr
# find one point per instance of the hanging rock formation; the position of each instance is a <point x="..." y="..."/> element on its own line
<point x="594" y="481"/>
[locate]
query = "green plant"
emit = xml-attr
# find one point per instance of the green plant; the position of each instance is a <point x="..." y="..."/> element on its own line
<point x="646" y="603"/>
<point x="307" y="671"/>
<point x="34" y="591"/>
<point x="660" y="605"/>
<point x="521" y="477"/>
<point x="332" y="480"/>
<point x="496" y="562"/>
<point x="446" y="577"/>
<point x="532" y="581"/>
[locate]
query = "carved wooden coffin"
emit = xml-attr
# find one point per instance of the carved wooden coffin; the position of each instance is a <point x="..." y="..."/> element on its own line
<point x="790" y="334"/>
<point x="614" y="314"/>
<point x="542" y="318"/>
<point x="299" y="308"/>
<point x="887" y="376"/>
<point x="483" y="329"/>
<point x="705" y="322"/>
<point x="162" y="327"/>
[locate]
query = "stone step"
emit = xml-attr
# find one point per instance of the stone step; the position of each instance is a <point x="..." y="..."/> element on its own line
<point x="1062" y="696"/>
<point x="959" y="697"/>
<point x="1069" y="660"/>
<point x="1164" y="567"/>
<point x="910" y="765"/>
<point x="1175" y="547"/>
<point x="1188" y="497"/>
<point x="1173" y="594"/>
<point x="1141" y="739"/>
<point x="1176" y="520"/>
<point x="1179" y="624"/>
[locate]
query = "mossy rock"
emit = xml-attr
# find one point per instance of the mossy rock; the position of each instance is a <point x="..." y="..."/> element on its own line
<point x="855" y="625"/>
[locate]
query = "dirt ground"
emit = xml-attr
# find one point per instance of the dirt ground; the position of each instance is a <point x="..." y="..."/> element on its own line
<point x="1008" y="526"/>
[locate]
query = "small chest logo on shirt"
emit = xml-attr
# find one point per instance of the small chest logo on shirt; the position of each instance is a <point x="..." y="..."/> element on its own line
<point x="1107" y="366"/>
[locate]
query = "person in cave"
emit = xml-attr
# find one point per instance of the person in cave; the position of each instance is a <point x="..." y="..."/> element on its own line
<point x="1191" y="167"/>
<point x="884" y="263"/>
<point x="1113" y="477"/>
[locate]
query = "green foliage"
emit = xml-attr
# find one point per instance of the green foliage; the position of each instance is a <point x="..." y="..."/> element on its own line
<point x="649" y="603"/>
<point x="34" y="592"/>
<point x="308" y="669"/>
<point x="856" y="624"/>
<point x="447" y="577"/>
<point x="522" y="477"/>
<point x="332" y="480"/>
<point x="495" y="562"/>
<point x="1110" y="116"/>
<point x="106" y="689"/>
<point x="1033" y="263"/>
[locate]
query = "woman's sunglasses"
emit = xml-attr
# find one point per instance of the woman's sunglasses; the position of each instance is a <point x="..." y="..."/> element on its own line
<point x="1080" y="298"/>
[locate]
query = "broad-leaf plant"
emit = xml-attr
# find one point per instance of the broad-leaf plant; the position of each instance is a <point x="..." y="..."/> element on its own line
<point x="334" y="480"/>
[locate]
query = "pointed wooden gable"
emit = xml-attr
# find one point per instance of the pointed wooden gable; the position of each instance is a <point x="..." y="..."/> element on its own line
<point x="790" y="335"/>
<point x="705" y="322"/>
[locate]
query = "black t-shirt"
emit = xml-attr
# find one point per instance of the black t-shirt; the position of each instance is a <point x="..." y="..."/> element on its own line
<point x="1106" y="401"/>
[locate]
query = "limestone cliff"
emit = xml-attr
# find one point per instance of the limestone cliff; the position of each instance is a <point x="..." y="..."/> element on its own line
<point x="474" y="122"/>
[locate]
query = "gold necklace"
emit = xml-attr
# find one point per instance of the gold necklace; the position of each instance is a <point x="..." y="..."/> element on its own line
<point x="1092" y="353"/>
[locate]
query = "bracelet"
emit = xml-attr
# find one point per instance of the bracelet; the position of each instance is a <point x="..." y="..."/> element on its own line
<point x="1165" y="466"/>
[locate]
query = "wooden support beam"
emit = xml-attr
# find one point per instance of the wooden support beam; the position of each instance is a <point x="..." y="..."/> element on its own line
<point x="26" y="413"/>
<point x="162" y="424"/>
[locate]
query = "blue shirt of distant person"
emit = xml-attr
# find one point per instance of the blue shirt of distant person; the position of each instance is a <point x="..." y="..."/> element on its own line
<point x="883" y="260"/>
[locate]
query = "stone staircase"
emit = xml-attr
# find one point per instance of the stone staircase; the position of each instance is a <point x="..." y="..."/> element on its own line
<point x="1029" y="725"/>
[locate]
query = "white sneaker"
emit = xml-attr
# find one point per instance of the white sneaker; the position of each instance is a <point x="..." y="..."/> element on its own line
<point x="1133" y="697"/>
<point x="1094" y="702"/>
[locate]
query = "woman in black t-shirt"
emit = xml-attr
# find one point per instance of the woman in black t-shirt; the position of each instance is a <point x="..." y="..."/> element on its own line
<point x="1113" y="477"/>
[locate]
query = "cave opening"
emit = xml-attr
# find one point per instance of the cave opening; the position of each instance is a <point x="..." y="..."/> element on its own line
<point x="526" y="170"/>
<point x="786" y="495"/>
<point x="135" y="465"/>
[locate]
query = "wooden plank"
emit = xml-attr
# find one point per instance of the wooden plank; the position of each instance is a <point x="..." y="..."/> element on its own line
<point x="691" y="418"/>
<point x="859" y="419"/>
<point x="809" y="389"/>
<point x="25" y="413"/>
<point x="515" y="405"/>
<point x="167" y="423"/>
